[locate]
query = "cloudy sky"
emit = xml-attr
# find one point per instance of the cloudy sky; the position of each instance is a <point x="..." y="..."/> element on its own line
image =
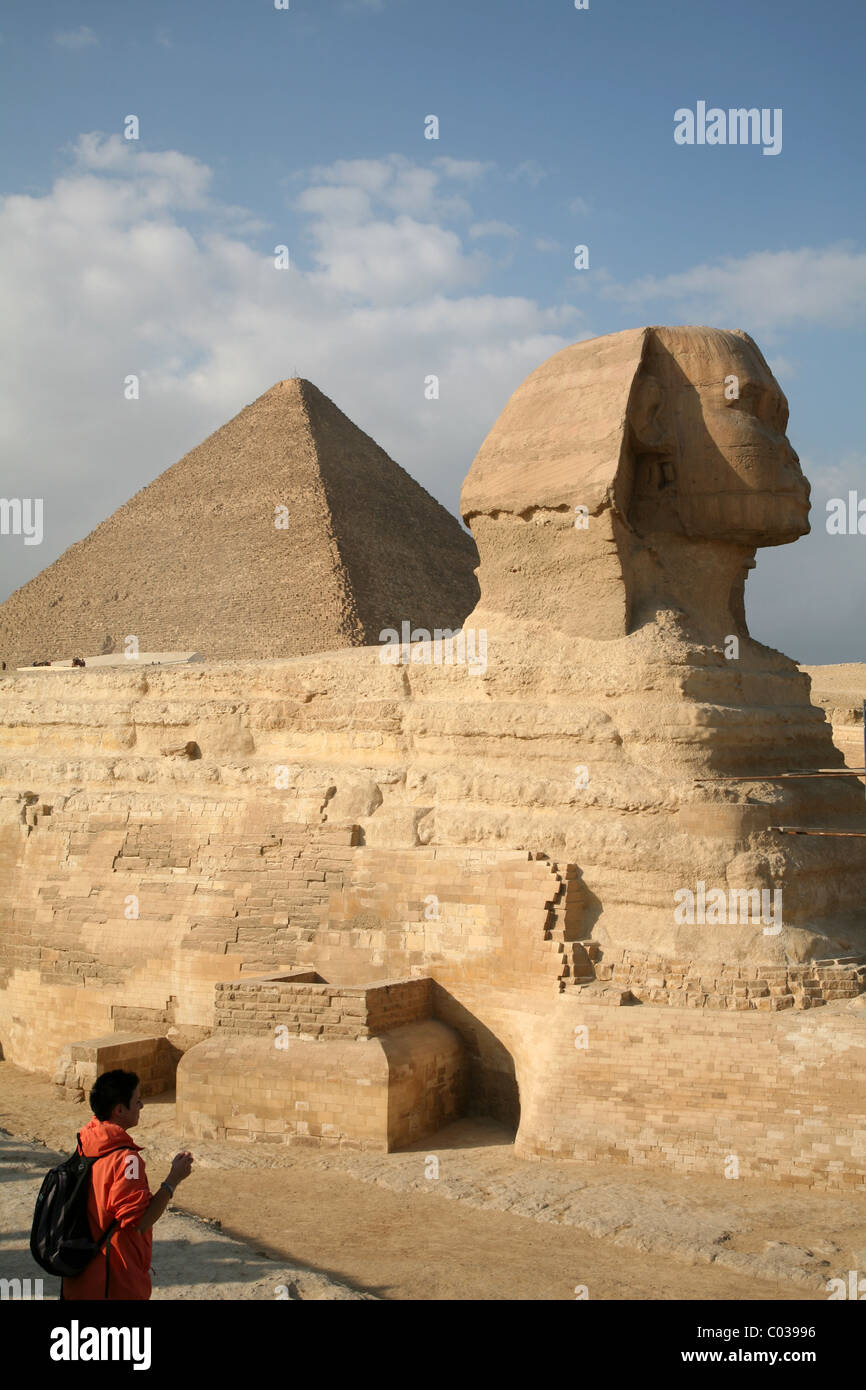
<point x="409" y="256"/>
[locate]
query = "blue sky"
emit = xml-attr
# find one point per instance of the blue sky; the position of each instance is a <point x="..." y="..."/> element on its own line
<point x="410" y="256"/>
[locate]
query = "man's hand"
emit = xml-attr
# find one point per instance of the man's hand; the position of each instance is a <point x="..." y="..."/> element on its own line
<point x="181" y="1167"/>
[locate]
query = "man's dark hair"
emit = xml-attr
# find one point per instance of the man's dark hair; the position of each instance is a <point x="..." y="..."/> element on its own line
<point x="110" y="1089"/>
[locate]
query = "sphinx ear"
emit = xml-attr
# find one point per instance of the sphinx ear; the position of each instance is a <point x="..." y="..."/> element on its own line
<point x="647" y="416"/>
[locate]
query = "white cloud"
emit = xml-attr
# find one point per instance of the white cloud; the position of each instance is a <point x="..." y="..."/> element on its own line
<point x="393" y="184"/>
<point x="83" y="37"/>
<point x="374" y="227"/>
<point x="783" y="368"/>
<point x="468" y="169"/>
<point x="836" y="479"/>
<point x="151" y="180"/>
<point x="372" y="174"/>
<point x="397" y="261"/>
<point x="543" y="243"/>
<point x="338" y="203"/>
<point x="767" y="290"/>
<point x="482" y="229"/>
<point x="579" y="207"/>
<point x="129" y="264"/>
<point x="529" y="170"/>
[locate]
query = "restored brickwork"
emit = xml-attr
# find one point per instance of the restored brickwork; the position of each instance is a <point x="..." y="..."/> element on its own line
<point x="377" y="1093"/>
<point x="225" y="888"/>
<point x="220" y="887"/>
<point x="154" y="1061"/>
<point x="302" y="1005"/>
<point x="785" y="1094"/>
<point x="687" y="984"/>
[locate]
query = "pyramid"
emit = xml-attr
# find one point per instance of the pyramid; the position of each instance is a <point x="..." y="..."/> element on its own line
<point x="194" y="560"/>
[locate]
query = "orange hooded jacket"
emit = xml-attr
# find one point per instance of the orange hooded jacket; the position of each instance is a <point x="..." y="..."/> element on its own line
<point x="118" y="1192"/>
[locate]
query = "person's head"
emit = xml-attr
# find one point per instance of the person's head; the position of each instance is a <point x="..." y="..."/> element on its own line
<point x="116" y="1096"/>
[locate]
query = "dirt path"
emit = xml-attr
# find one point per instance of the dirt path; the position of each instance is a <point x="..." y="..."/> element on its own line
<point x="372" y="1222"/>
<point x="426" y="1247"/>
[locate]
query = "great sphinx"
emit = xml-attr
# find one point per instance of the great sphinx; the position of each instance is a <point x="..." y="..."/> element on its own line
<point x="617" y="505"/>
<point x="519" y="834"/>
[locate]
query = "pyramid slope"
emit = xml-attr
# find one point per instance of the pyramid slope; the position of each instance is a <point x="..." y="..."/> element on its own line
<point x="194" y="561"/>
<point x="407" y="558"/>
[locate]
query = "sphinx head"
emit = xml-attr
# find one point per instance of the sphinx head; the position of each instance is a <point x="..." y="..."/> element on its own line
<point x="632" y="471"/>
<point x="707" y="455"/>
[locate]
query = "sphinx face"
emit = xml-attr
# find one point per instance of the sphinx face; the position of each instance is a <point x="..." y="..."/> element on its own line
<point x="712" y="459"/>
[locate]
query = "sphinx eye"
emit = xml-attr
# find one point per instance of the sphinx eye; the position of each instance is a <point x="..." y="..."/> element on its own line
<point x="750" y="393"/>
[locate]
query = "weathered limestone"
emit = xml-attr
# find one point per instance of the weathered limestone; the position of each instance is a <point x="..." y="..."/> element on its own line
<point x="677" y="483"/>
<point x="119" y="659"/>
<point x="518" y="836"/>
<point x="840" y="691"/>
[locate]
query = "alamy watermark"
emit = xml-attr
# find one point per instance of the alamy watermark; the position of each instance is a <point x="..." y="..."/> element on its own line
<point x="854" y="1288"/>
<point x="736" y="126"/>
<point x="21" y="1289"/>
<point x="22" y="516"/>
<point x="846" y="518"/>
<point x="441" y="647"/>
<point x="715" y="907"/>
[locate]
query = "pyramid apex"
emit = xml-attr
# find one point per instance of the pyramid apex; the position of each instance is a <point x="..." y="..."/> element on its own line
<point x="288" y="382"/>
<point x="293" y="388"/>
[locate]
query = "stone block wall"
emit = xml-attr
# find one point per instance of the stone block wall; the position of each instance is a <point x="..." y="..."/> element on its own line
<point x="393" y="1005"/>
<point x="154" y="1060"/>
<point x="224" y="888"/>
<point x="377" y="1093"/>
<point x="501" y="916"/>
<point x="302" y="1005"/>
<point x="785" y="1093"/>
<point x="686" y="984"/>
<point x="120" y="912"/>
<point x="228" y="888"/>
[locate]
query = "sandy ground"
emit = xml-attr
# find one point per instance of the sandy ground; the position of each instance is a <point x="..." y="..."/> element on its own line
<point x="194" y="1259"/>
<point x="488" y="1227"/>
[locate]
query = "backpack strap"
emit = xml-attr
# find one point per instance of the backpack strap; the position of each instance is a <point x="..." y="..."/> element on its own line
<point x="107" y="1263"/>
<point x="107" y="1234"/>
<point x="119" y="1148"/>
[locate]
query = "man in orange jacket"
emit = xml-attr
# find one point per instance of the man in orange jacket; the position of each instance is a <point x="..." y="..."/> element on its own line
<point x="119" y="1192"/>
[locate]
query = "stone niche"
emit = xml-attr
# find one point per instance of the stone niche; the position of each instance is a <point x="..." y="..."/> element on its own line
<point x="297" y="1060"/>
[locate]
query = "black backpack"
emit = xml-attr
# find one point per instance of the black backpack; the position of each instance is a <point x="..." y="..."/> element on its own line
<point x="60" y="1239"/>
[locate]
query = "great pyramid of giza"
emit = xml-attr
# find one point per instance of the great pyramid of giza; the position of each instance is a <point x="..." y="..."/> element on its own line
<point x="195" y="561"/>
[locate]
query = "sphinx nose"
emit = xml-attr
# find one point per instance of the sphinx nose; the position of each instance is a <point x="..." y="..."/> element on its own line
<point x="794" y="460"/>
